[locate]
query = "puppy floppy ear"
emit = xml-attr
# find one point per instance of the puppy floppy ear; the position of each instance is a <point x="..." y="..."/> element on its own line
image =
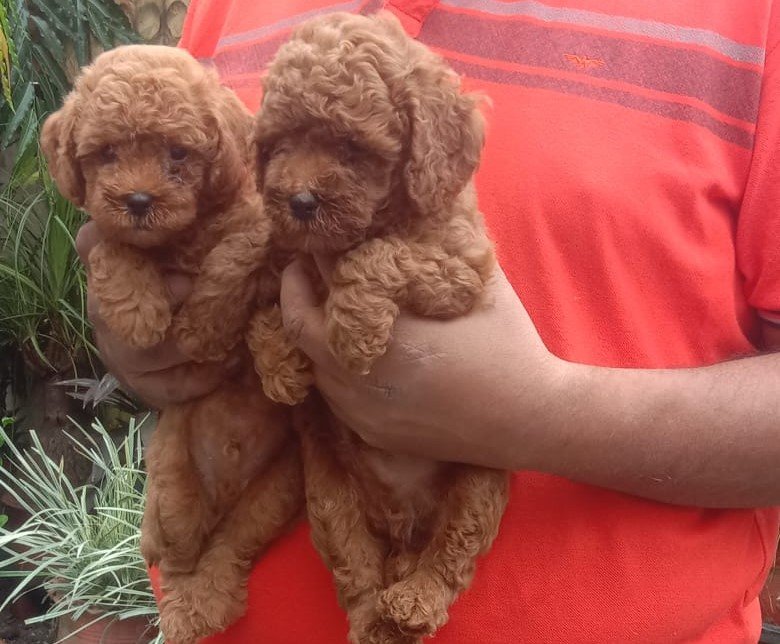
<point x="59" y="147"/>
<point x="232" y="158"/>
<point x="260" y="151"/>
<point x="447" y="134"/>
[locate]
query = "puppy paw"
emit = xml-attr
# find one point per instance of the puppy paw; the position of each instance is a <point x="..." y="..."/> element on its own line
<point x="196" y="608"/>
<point x="385" y="632"/>
<point x="284" y="369"/>
<point x="200" y="341"/>
<point x="359" y="326"/>
<point x="287" y="386"/>
<point x="417" y="608"/>
<point x="356" y="351"/>
<point x="366" y="625"/>
<point x="449" y="291"/>
<point x="131" y="295"/>
<point x="150" y="532"/>
<point x="142" y="324"/>
<point x="149" y="550"/>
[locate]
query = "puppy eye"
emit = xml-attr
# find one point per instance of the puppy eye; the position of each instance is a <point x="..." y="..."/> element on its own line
<point x="108" y="154"/>
<point x="280" y="147"/>
<point x="178" y="153"/>
<point x="348" y="149"/>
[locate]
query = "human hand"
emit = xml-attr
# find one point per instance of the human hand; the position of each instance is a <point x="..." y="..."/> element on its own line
<point x="160" y="375"/>
<point x="467" y="389"/>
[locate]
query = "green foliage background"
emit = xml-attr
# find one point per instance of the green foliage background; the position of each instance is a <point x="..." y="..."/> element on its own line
<point x="42" y="297"/>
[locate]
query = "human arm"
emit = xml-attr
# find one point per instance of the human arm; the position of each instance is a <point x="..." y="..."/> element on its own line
<point x="458" y="390"/>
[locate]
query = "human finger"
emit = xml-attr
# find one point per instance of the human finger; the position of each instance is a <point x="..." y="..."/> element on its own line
<point x="303" y="319"/>
<point x="86" y="239"/>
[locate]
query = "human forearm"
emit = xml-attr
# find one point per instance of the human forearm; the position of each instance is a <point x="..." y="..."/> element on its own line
<point x="483" y="389"/>
<point x="707" y="437"/>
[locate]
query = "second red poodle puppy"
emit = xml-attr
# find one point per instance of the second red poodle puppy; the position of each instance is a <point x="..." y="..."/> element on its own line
<point x="366" y="150"/>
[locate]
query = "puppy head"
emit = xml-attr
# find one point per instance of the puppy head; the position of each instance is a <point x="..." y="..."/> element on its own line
<point x="356" y="117"/>
<point x="146" y="142"/>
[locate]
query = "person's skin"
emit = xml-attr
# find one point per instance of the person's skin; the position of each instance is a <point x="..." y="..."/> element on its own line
<point x="459" y="391"/>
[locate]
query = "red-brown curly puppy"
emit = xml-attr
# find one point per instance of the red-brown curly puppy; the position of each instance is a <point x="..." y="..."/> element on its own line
<point x="366" y="149"/>
<point x="155" y="150"/>
<point x="157" y="153"/>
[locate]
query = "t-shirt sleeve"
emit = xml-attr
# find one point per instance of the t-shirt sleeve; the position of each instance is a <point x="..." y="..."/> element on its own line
<point x="758" y="229"/>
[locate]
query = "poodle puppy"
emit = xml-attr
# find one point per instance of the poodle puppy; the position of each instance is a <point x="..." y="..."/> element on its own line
<point x="158" y="154"/>
<point x="154" y="150"/>
<point x="365" y="152"/>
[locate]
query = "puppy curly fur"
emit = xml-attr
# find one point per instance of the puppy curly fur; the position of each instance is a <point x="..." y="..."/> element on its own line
<point x="151" y="121"/>
<point x="368" y="129"/>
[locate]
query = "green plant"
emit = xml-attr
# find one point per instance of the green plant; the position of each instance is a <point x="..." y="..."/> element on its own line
<point x="46" y="40"/>
<point x="42" y="293"/>
<point x="5" y="423"/>
<point x="5" y="55"/>
<point x="41" y="281"/>
<point x="80" y="543"/>
<point x="43" y="321"/>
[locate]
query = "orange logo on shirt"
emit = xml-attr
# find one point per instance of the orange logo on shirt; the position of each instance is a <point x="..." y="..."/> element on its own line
<point x="584" y="62"/>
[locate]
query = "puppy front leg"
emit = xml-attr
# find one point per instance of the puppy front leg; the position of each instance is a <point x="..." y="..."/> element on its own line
<point x="284" y="369"/>
<point x="213" y="318"/>
<point x="442" y="285"/>
<point x="131" y="294"/>
<point x="371" y="282"/>
<point x="419" y="603"/>
<point x="214" y="596"/>
<point x="339" y="525"/>
<point x="366" y="287"/>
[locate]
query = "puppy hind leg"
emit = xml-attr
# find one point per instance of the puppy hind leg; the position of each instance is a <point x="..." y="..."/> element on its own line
<point x="215" y="595"/>
<point x="339" y="525"/>
<point x="185" y="513"/>
<point x="419" y="603"/>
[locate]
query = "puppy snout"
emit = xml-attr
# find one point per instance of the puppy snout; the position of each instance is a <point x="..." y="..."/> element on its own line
<point x="303" y="205"/>
<point x="138" y="203"/>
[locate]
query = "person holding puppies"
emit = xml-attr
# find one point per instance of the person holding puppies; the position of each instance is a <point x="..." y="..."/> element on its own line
<point x="624" y="364"/>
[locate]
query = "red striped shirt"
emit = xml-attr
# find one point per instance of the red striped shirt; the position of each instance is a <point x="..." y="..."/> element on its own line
<point x="632" y="181"/>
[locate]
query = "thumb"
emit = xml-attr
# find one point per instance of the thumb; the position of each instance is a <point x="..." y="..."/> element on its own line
<point x="325" y="265"/>
<point x="86" y="239"/>
<point x="303" y="319"/>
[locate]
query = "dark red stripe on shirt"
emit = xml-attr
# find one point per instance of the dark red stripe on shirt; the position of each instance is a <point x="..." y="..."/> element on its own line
<point x="254" y="57"/>
<point x="249" y="58"/>
<point x="730" y="89"/>
<point x="666" y="109"/>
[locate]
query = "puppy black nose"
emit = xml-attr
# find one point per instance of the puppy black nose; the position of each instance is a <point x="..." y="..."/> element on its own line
<point x="138" y="203"/>
<point x="303" y="205"/>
